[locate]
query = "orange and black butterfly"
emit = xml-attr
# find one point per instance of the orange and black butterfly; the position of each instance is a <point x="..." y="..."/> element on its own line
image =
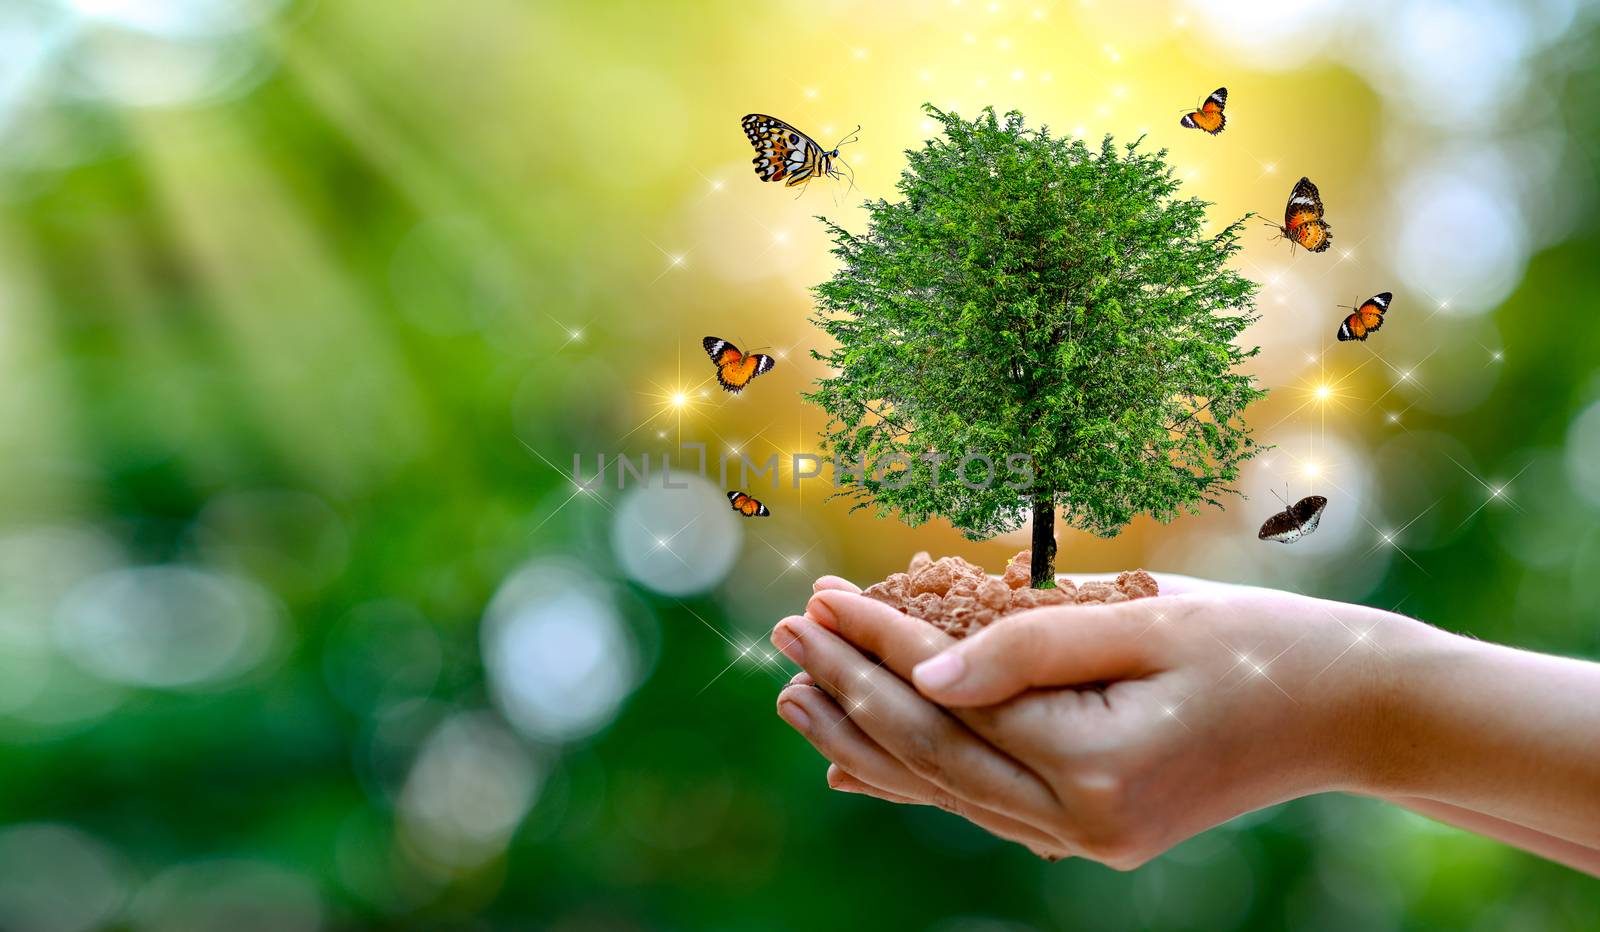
<point x="747" y="506"/>
<point x="1294" y="522"/>
<point x="1368" y="318"/>
<point x="1302" y="218"/>
<point x="785" y="154"/>
<point x="735" y="369"/>
<point x="1209" y="117"/>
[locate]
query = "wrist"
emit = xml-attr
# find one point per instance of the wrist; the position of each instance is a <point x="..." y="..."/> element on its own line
<point x="1393" y="752"/>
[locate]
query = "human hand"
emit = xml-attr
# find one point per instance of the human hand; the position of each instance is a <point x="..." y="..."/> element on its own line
<point x="1109" y="732"/>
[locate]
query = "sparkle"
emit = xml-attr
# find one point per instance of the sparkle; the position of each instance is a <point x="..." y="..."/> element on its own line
<point x="1444" y="305"/>
<point x="716" y="186"/>
<point x="1393" y="417"/>
<point x="677" y="260"/>
<point x="1017" y="75"/>
<point x="1497" y="356"/>
<point x="780" y="237"/>
<point x="679" y="399"/>
<point x="1405" y="375"/>
<point x="860" y="54"/>
<point x="1269" y="168"/>
<point x="1323" y="392"/>
<point x="1312" y="470"/>
<point x="811" y="93"/>
<point x="1496" y="492"/>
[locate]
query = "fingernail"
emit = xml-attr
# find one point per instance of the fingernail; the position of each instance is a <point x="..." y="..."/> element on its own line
<point x="939" y="672"/>
<point x="819" y="611"/>
<point x="787" y="640"/>
<point x="800" y="679"/>
<point x="794" y="715"/>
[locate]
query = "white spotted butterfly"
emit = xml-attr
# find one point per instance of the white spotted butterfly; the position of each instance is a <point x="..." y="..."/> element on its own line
<point x="785" y="154"/>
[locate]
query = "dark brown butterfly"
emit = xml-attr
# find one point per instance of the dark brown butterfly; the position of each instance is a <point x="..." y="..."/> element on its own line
<point x="747" y="506"/>
<point x="1294" y="522"/>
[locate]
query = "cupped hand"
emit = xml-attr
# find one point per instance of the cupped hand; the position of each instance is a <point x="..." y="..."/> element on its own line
<point x="1109" y="732"/>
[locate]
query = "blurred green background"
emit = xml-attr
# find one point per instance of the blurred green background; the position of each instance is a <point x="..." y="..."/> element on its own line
<point x="306" y="307"/>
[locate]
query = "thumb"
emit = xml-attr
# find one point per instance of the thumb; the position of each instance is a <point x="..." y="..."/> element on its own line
<point x="1063" y="646"/>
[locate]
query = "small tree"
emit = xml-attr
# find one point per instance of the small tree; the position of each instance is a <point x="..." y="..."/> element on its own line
<point x="1032" y="296"/>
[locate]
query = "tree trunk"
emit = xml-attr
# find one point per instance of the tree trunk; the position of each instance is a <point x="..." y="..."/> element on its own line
<point x="1044" y="541"/>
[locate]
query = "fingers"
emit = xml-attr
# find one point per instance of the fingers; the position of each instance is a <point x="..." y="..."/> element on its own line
<point x="861" y="765"/>
<point x="921" y="736"/>
<point x="834" y="583"/>
<point x="1039" y="843"/>
<point x="1065" y="646"/>
<point x="889" y="634"/>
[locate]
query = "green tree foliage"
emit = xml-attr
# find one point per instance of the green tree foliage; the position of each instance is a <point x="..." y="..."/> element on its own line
<point x="1029" y="295"/>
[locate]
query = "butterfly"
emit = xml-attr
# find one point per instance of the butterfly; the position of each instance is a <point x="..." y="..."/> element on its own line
<point x="735" y="369"/>
<point x="1294" y="522"/>
<point x="785" y="154"/>
<point x="1368" y="318"/>
<point x="747" y="506"/>
<point x="1302" y="218"/>
<point x="1209" y="117"/>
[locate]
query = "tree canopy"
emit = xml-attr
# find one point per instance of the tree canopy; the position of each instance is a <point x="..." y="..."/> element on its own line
<point x="1032" y="296"/>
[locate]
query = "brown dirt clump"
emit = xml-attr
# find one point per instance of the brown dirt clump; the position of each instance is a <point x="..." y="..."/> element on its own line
<point x="959" y="598"/>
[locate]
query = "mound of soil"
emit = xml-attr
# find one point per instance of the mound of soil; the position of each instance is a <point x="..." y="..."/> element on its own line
<point x="959" y="598"/>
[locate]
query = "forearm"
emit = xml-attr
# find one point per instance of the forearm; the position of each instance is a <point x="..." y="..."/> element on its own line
<point x="1502" y="732"/>
<point x="1560" y="850"/>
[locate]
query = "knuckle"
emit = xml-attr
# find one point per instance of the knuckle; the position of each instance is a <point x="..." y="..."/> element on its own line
<point x="1098" y="805"/>
<point x="921" y="756"/>
<point x="941" y="799"/>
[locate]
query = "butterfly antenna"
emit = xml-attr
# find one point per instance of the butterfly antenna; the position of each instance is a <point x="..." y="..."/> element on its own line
<point x="850" y="177"/>
<point x="854" y="136"/>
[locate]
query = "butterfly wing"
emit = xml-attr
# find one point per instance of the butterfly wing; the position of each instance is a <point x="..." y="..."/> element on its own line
<point x="1209" y="117"/>
<point x="1368" y="318"/>
<point x="721" y="350"/>
<point x="1305" y="203"/>
<point x="783" y="153"/>
<point x="734" y="371"/>
<point x="1308" y="511"/>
